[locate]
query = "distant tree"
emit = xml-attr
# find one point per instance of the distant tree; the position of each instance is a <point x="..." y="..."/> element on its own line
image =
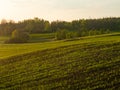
<point x="84" y="33"/>
<point x="47" y="27"/>
<point x="107" y="31"/>
<point x="65" y="34"/>
<point x="70" y="35"/>
<point x="90" y="32"/>
<point x="76" y="25"/>
<point x="61" y="34"/>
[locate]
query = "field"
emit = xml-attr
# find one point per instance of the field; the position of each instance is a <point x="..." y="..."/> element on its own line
<point x="88" y="63"/>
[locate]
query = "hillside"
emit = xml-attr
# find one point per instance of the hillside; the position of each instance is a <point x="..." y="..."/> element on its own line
<point x="88" y="63"/>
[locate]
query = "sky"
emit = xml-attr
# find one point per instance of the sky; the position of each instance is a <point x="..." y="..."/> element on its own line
<point x="51" y="10"/>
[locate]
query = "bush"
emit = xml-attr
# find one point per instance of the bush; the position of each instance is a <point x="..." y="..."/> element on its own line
<point x="65" y="34"/>
<point x="61" y="34"/>
<point x="98" y="32"/>
<point x="71" y="35"/>
<point x="18" y="37"/>
<point x="107" y="31"/>
<point x="82" y="33"/>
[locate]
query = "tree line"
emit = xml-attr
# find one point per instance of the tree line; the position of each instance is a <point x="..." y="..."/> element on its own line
<point x="37" y="25"/>
<point x="20" y="31"/>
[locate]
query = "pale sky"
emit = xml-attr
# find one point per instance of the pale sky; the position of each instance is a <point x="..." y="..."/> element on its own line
<point x="58" y="9"/>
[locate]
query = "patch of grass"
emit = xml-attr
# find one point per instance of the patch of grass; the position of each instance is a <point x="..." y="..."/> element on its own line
<point x="35" y="38"/>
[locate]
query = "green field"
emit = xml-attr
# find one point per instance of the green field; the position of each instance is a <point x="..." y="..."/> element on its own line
<point x="88" y="63"/>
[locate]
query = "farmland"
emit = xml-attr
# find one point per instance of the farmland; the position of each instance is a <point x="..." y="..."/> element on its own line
<point x="87" y="63"/>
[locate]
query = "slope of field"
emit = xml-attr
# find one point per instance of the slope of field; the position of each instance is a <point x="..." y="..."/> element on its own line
<point x="91" y="63"/>
<point x="7" y="50"/>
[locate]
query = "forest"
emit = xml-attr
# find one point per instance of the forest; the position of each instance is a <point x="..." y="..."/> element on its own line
<point x="37" y="25"/>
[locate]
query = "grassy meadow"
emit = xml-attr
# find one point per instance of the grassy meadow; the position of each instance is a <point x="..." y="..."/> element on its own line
<point x="86" y="63"/>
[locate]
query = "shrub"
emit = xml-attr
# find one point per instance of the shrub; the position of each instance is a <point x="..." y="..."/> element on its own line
<point x="107" y="31"/>
<point x="18" y="37"/>
<point x="61" y="34"/>
<point x="65" y="34"/>
<point x="70" y="35"/>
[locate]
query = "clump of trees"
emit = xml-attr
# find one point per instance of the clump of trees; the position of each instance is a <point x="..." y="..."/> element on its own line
<point x="18" y="37"/>
<point x="82" y="33"/>
<point x="66" y="34"/>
